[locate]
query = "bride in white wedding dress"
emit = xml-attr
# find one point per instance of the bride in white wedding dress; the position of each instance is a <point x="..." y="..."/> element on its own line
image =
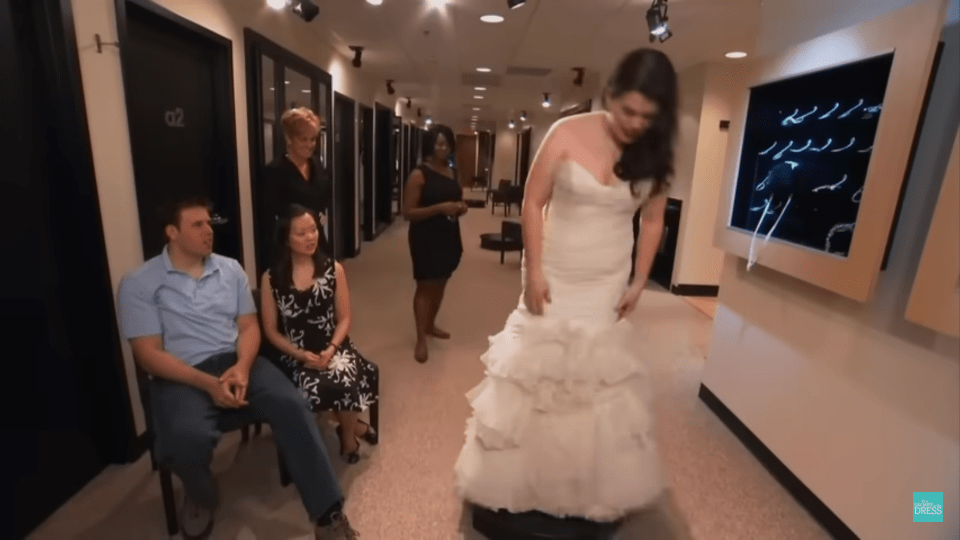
<point x="562" y="423"/>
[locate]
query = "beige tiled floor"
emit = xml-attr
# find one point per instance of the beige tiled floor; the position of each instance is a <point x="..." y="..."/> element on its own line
<point x="403" y="488"/>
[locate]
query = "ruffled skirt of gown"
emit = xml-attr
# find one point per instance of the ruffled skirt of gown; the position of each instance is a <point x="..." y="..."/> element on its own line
<point x="561" y="423"/>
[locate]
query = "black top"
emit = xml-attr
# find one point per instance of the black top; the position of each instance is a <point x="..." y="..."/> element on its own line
<point x="284" y="185"/>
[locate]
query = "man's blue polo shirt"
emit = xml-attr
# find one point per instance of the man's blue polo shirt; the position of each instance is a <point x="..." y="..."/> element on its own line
<point x="196" y="318"/>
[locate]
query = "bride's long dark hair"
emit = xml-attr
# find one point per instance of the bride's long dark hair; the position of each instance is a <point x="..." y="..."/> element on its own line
<point x="649" y="72"/>
<point x="281" y="273"/>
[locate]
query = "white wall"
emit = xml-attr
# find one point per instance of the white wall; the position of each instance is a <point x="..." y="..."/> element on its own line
<point x="700" y="175"/>
<point x="861" y="405"/>
<point x="505" y="156"/>
<point x="106" y="113"/>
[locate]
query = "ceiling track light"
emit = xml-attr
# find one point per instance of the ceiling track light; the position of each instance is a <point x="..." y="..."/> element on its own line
<point x="514" y="4"/>
<point x="357" y="51"/>
<point x="390" y="89"/>
<point x="306" y="10"/>
<point x="512" y="124"/>
<point x="523" y="116"/>
<point x="657" y="21"/>
<point x="409" y="103"/>
<point x="579" y="80"/>
<point x="546" y="100"/>
<point x="419" y="112"/>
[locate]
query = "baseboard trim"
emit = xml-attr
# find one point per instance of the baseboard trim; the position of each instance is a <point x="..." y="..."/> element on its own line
<point x="820" y="512"/>
<point x="695" y="290"/>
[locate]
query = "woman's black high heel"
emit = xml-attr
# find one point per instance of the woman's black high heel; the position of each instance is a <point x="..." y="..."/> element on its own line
<point x="370" y="435"/>
<point x="351" y="457"/>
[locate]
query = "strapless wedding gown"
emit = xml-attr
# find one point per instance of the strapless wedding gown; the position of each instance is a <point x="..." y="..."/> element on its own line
<point x="561" y="423"/>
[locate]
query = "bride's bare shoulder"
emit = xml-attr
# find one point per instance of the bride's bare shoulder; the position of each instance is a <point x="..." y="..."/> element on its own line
<point x="578" y="125"/>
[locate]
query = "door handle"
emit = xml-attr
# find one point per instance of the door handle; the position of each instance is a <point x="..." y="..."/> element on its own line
<point x="216" y="219"/>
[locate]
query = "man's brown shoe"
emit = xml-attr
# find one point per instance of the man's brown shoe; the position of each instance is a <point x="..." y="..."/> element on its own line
<point x="338" y="529"/>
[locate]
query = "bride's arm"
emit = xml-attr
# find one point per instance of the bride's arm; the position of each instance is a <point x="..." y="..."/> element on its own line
<point x="536" y="196"/>
<point x="651" y="231"/>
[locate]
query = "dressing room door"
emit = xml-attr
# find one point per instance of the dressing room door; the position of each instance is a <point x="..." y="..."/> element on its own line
<point x="179" y="92"/>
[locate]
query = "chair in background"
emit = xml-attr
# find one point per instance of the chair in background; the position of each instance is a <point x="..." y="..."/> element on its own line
<point x="510" y="238"/>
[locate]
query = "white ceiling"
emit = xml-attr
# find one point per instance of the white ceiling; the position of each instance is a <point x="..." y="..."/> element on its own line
<point x="432" y="54"/>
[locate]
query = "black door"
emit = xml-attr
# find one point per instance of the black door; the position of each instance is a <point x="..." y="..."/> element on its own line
<point x="178" y="86"/>
<point x="523" y="156"/>
<point x="345" y="178"/>
<point x="368" y="221"/>
<point x="385" y="168"/>
<point x="67" y="411"/>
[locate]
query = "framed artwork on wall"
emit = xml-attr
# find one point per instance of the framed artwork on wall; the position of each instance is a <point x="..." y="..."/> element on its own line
<point x="935" y="298"/>
<point x="823" y="134"/>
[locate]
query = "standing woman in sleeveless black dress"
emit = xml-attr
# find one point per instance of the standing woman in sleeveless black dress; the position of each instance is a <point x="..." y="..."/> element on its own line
<point x="433" y="203"/>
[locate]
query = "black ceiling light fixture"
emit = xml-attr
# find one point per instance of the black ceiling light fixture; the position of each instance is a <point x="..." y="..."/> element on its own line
<point x="409" y="103"/>
<point x="514" y="4"/>
<point x="523" y="116"/>
<point x="357" y="51"/>
<point x="546" y="100"/>
<point x="306" y="10"/>
<point x="390" y="89"/>
<point x="657" y="21"/>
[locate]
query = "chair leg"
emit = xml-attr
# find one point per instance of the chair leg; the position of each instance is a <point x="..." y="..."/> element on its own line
<point x="375" y="416"/>
<point x="169" y="502"/>
<point x="502" y="252"/>
<point x="284" y="473"/>
<point x="257" y="428"/>
<point x="245" y="434"/>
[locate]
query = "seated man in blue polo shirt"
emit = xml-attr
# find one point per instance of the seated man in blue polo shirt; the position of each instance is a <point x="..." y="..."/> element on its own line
<point x="190" y="318"/>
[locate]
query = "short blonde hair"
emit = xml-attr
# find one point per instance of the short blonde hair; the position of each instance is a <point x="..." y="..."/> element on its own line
<point x="295" y="121"/>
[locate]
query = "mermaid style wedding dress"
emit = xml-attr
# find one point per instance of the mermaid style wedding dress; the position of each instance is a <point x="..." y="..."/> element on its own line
<point x="561" y="423"/>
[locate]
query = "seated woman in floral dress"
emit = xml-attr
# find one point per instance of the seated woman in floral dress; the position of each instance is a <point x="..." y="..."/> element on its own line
<point x="308" y="291"/>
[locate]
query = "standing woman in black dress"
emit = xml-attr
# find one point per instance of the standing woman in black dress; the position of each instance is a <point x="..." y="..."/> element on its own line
<point x="297" y="177"/>
<point x="433" y="203"/>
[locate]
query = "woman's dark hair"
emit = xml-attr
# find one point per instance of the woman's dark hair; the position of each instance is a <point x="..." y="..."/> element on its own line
<point x="281" y="273"/>
<point x="649" y="72"/>
<point x="431" y="136"/>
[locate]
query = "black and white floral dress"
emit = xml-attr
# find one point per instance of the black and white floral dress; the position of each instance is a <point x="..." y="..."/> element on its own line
<point x="350" y="382"/>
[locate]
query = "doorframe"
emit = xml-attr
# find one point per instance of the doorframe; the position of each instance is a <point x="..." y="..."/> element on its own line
<point x="385" y="169"/>
<point x="368" y="182"/>
<point x="60" y="59"/>
<point x="255" y="46"/>
<point x="225" y="110"/>
<point x="53" y="50"/>
<point x="347" y="212"/>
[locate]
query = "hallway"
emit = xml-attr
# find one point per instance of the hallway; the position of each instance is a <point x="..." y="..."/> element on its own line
<point x="402" y="489"/>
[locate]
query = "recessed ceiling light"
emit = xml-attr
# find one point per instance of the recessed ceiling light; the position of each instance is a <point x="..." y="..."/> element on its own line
<point x="735" y="54"/>
<point x="374" y="2"/>
<point x="492" y="19"/>
<point x="476" y="108"/>
<point x="483" y="69"/>
<point x="479" y="88"/>
<point x="277" y="4"/>
<point x="477" y="97"/>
